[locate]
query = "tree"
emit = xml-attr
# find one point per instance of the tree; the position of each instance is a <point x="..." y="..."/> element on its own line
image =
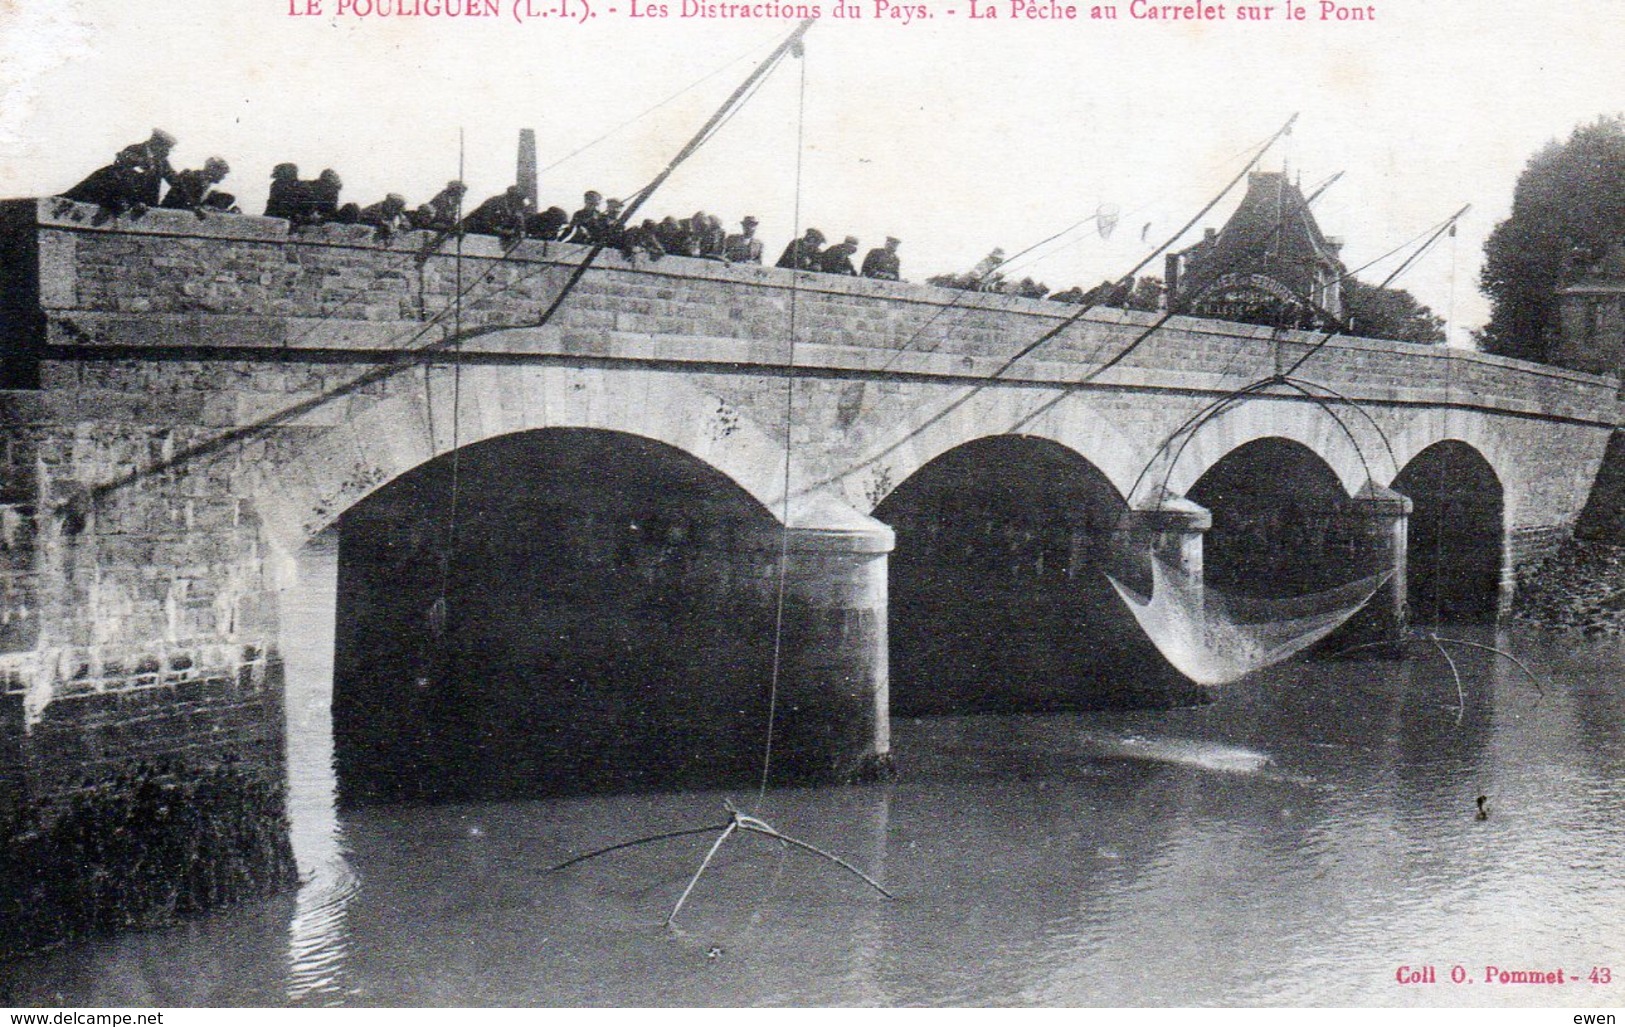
<point x="1568" y="206"/>
<point x="1380" y="313"/>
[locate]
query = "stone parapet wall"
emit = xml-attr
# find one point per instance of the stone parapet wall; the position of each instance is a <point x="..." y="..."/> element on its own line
<point x="173" y="280"/>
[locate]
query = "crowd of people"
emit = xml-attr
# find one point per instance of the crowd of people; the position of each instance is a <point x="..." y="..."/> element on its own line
<point x="135" y="179"/>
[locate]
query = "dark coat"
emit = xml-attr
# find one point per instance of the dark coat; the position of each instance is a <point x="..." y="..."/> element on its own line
<point x="802" y="255"/>
<point x="883" y="264"/>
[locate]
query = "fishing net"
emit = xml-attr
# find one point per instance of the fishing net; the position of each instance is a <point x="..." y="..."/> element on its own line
<point x="1214" y="639"/>
<point x="1106" y="219"/>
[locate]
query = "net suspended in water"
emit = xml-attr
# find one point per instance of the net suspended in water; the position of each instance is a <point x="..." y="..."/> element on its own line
<point x="1214" y="639"/>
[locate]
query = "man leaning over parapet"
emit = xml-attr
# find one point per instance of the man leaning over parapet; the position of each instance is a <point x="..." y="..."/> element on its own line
<point x="194" y="189"/>
<point x="883" y="263"/>
<point x="133" y="180"/>
<point x="743" y="247"/>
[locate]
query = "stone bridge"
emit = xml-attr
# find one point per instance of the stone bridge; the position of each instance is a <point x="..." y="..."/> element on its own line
<point x="232" y="478"/>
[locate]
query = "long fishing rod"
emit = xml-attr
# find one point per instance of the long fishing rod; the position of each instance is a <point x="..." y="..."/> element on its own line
<point x="792" y="43"/>
<point x="578" y="151"/>
<point x="1195" y="422"/>
<point x="1281" y="377"/>
<point x="983" y="381"/>
<point x="1272" y="237"/>
<point x="1127" y="281"/>
<point x="1008" y="264"/>
<point x="1407" y="262"/>
<point x="1303" y="204"/>
<point x="739" y="821"/>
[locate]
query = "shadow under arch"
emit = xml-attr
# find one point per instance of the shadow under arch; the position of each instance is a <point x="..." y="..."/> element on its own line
<point x="998" y="598"/>
<point x="608" y="626"/>
<point x="1457" y="550"/>
<point x="1276" y="508"/>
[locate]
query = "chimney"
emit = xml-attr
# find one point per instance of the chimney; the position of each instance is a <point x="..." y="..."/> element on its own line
<point x="527" y="166"/>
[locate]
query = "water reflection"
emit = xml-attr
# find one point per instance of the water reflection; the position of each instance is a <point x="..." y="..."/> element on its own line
<point x="318" y="937"/>
<point x="1293" y="842"/>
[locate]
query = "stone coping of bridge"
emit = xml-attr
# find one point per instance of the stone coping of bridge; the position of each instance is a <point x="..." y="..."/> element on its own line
<point x="1600" y="395"/>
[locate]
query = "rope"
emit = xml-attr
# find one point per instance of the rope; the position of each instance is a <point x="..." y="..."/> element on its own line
<point x="1196" y="423"/>
<point x="789" y="423"/>
<point x="1406" y="263"/>
<point x="1127" y="280"/>
<point x="1008" y="262"/>
<point x="411" y="358"/>
<point x="1012" y="263"/>
<point x="440" y="612"/>
<point x="578" y="151"/>
<point x="1438" y="518"/>
<point x="1450" y="304"/>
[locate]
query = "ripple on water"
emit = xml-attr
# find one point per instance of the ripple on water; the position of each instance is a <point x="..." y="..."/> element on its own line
<point x="1294" y="841"/>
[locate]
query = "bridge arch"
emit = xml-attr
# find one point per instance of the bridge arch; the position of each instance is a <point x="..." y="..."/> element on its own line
<point x="925" y="431"/>
<point x="306" y="491"/>
<point x="998" y="597"/>
<point x="1457" y="559"/>
<point x="1497" y="449"/>
<point x="1277" y="529"/>
<point x="1348" y="444"/>
<point x="303" y="496"/>
<point x="600" y="615"/>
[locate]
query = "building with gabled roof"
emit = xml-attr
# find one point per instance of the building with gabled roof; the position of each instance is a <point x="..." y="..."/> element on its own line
<point x="1592" y="316"/>
<point x="1270" y="263"/>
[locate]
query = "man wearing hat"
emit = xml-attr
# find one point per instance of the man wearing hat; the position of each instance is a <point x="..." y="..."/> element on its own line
<point x="317" y="200"/>
<point x="285" y="197"/>
<point x="883" y="263"/>
<point x="803" y="254"/>
<point x="441" y="213"/>
<point x="703" y="236"/>
<point x="133" y="179"/>
<point x="548" y="224"/>
<point x="194" y="189"/>
<point x="645" y="238"/>
<point x="743" y="247"/>
<point x="148" y="165"/>
<point x="587" y="224"/>
<point x="612" y="232"/>
<point x="837" y="260"/>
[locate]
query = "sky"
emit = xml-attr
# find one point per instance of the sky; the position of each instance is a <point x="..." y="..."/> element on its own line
<point x="956" y="135"/>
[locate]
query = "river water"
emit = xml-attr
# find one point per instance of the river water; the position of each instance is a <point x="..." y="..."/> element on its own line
<point x="1296" y="841"/>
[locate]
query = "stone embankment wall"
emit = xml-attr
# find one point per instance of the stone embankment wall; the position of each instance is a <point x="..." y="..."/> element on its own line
<point x="1581" y="584"/>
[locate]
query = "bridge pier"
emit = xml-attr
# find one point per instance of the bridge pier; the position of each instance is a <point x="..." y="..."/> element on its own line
<point x="307" y="608"/>
<point x="1377" y="522"/>
<point x="1176" y="527"/>
<point x="1174" y="531"/>
<point x="831" y="720"/>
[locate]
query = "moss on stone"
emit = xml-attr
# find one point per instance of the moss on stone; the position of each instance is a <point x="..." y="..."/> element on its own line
<point x="140" y="850"/>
